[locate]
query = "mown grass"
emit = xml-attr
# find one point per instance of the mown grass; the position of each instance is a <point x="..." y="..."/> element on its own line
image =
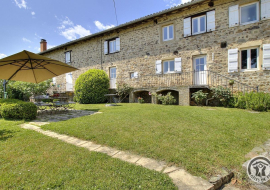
<point x="196" y="138"/>
<point x="29" y="160"/>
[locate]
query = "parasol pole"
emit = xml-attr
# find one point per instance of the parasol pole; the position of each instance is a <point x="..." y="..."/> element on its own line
<point x="5" y="89"/>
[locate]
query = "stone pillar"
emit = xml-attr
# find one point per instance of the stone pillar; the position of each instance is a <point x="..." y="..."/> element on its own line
<point x="131" y="97"/>
<point x="184" y="97"/>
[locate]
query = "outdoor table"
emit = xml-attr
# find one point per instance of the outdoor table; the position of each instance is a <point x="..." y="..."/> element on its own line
<point x="110" y="99"/>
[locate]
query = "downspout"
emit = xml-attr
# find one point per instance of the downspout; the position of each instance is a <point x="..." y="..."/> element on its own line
<point x="101" y="54"/>
<point x="208" y="101"/>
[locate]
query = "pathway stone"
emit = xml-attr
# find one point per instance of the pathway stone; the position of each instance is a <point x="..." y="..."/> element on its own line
<point x="182" y="179"/>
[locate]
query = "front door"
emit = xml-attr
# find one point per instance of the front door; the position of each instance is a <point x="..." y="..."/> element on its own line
<point x="113" y="77"/>
<point x="200" y="70"/>
<point x="69" y="84"/>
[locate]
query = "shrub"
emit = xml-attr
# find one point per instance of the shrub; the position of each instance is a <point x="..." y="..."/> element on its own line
<point x="17" y="109"/>
<point x="167" y="100"/>
<point x="123" y="90"/>
<point x="199" y="96"/>
<point x="91" y="87"/>
<point x="140" y="100"/>
<point x="224" y="95"/>
<point x="24" y="90"/>
<point x="253" y="100"/>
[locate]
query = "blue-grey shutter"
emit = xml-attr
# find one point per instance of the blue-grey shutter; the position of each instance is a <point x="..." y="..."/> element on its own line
<point x="158" y="67"/>
<point x="106" y="47"/>
<point x="211" y="21"/>
<point x="187" y="27"/>
<point x="233" y="16"/>
<point x="265" y="9"/>
<point x="117" y="44"/>
<point x="232" y="60"/>
<point x="178" y="64"/>
<point x="266" y="56"/>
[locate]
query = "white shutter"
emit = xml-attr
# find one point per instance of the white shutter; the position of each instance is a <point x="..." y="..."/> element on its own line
<point x="106" y="47"/>
<point x="178" y="64"/>
<point x="266" y="56"/>
<point x="187" y="27"/>
<point x="117" y="44"/>
<point x="211" y="21"/>
<point x="69" y="84"/>
<point x="233" y="16"/>
<point x="232" y="60"/>
<point x="265" y="9"/>
<point x="135" y="74"/>
<point x="158" y="67"/>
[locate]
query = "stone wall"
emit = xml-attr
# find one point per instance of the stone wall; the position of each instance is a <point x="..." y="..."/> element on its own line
<point x="142" y="45"/>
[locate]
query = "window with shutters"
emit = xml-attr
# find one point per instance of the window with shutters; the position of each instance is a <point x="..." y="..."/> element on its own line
<point x="112" y="46"/>
<point x="168" y="33"/>
<point x="249" y="13"/>
<point x="68" y="57"/>
<point x="168" y="66"/>
<point x="249" y="58"/>
<point x="199" y="25"/>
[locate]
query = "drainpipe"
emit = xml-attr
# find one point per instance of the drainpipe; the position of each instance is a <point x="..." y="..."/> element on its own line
<point x="101" y="54"/>
<point x="208" y="100"/>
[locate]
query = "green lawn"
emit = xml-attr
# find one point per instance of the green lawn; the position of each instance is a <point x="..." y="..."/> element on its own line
<point x="29" y="160"/>
<point x="195" y="138"/>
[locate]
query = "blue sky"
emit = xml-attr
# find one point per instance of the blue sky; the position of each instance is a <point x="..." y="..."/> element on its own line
<point x="25" y="22"/>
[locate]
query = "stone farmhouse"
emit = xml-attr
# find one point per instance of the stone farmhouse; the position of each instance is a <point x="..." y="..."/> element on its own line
<point x="196" y="45"/>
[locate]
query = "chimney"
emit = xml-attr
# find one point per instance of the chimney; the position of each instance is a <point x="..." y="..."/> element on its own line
<point x="43" y="45"/>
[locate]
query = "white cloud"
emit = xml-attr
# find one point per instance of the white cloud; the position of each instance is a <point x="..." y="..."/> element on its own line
<point x="38" y="36"/>
<point x="21" y="3"/>
<point x="101" y="26"/>
<point x="33" y="13"/>
<point x="2" y="55"/>
<point x="26" y="40"/>
<point x="71" y="31"/>
<point x="172" y="3"/>
<point x="50" y="46"/>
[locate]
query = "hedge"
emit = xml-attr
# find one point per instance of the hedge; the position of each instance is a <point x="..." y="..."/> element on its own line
<point x="91" y="87"/>
<point x="17" y="109"/>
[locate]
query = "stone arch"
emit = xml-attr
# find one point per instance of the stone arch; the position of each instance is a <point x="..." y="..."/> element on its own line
<point x="174" y="93"/>
<point x="143" y="94"/>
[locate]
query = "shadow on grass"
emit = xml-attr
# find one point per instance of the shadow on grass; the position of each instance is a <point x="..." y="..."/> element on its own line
<point x="5" y="134"/>
<point x="96" y="110"/>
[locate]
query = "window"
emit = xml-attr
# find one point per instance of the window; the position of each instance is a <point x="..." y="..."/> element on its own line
<point x="199" y="25"/>
<point x="132" y="75"/>
<point x="168" y="66"/>
<point x="112" y="46"/>
<point x="68" y="57"/>
<point x="249" y="58"/>
<point x="168" y="33"/>
<point x="249" y="13"/>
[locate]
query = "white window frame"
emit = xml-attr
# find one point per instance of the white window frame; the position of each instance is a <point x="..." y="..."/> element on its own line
<point x="132" y="75"/>
<point x="169" y="70"/>
<point x="68" y="52"/>
<point x="258" y="13"/>
<point x="199" y="24"/>
<point x="168" y="32"/>
<point x="249" y="59"/>
<point x="114" y="46"/>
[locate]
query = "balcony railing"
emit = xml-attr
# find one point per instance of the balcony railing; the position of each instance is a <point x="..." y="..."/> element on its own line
<point x="198" y="79"/>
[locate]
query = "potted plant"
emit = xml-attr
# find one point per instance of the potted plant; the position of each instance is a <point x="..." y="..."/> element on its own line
<point x="140" y="100"/>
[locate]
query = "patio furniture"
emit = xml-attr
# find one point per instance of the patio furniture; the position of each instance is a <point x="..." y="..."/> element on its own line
<point x="111" y="99"/>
